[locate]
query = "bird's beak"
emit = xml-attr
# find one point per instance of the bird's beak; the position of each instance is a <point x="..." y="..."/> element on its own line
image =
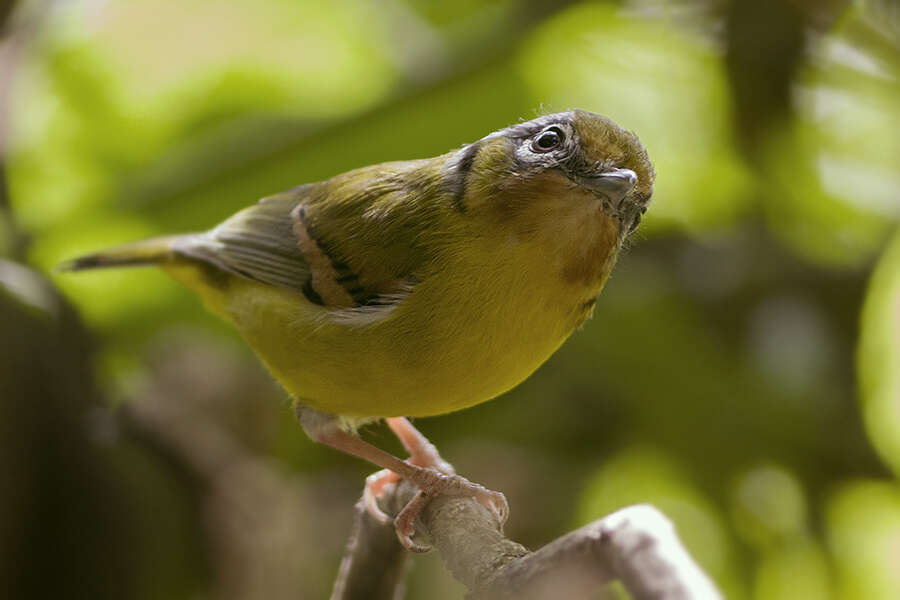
<point x="614" y="185"/>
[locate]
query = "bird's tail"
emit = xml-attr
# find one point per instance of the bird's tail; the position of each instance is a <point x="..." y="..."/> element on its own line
<point x="146" y="252"/>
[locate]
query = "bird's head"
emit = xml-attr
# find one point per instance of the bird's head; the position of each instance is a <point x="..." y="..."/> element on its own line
<point x="582" y="159"/>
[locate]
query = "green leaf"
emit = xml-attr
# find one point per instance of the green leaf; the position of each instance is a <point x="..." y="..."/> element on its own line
<point x="878" y="357"/>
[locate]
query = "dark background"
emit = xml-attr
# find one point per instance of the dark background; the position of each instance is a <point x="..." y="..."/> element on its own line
<point x="741" y="372"/>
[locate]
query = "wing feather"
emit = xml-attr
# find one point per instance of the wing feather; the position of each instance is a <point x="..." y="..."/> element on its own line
<point x="339" y="257"/>
<point x="256" y="243"/>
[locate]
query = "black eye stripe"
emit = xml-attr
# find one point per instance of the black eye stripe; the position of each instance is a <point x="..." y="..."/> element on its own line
<point x="457" y="179"/>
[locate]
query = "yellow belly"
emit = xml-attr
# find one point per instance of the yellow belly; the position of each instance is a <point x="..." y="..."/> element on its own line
<point x="476" y="327"/>
<point x="452" y="343"/>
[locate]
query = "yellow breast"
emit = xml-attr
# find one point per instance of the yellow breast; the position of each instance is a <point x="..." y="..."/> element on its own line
<point x="492" y="311"/>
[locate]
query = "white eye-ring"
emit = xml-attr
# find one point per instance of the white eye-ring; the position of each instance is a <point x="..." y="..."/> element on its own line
<point x="549" y="139"/>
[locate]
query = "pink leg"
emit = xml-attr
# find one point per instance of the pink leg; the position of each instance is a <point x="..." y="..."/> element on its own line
<point x="430" y="481"/>
<point x="421" y="451"/>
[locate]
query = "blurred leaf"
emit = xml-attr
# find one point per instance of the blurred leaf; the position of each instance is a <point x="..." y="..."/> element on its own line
<point x="327" y="57"/>
<point x="443" y="13"/>
<point x="769" y="506"/>
<point x="878" y="357"/>
<point x="108" y="91"/>
<point x="796" y="570"/>
<point x="833" y="194"/>
<point x="863" y="521"/>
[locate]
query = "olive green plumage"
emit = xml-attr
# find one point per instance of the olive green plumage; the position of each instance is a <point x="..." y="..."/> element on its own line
<point x="420" y="287"/>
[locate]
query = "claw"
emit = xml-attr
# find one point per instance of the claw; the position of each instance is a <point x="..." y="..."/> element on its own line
<point x="405" y="522"/>
<point x="374" y="489"/>
<point x="433" y="483"/>
<point x="499" y="506"/>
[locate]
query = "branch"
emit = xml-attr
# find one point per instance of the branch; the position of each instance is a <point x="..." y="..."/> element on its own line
<point x="374" y="562"/>
<point x="636" y="545"/>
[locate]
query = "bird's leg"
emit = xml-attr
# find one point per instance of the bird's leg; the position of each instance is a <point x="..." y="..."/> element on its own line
<point x="422" y="453"/>
<point x="430" y="481"/>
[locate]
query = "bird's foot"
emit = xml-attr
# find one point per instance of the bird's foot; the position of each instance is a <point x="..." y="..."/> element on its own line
<point x="425" y="469"/>
<point x="431" y="483"/>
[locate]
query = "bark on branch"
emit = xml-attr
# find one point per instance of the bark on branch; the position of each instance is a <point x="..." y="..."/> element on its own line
<point x="636" y="545"/>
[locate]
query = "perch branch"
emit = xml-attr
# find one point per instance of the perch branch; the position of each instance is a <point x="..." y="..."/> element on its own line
<point x="636" y="545"/>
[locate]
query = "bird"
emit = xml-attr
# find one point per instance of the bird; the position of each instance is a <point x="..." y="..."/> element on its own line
<point x="420" y="287"/>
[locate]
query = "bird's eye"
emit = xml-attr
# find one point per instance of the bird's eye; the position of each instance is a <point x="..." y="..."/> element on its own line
<point x="548" y="140"/>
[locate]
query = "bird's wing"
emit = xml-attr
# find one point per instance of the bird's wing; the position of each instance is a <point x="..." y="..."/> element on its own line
<point x="256" y="243"/>
<point x="337" y="241"/>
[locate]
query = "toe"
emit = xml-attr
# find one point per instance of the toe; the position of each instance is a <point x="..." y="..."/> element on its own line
<point x="494" y="502"/>
<point x="374" y="489"/>
<point x="500" y="506"/>
<point x="371" y="504"/>
<point x="405" y="523"/>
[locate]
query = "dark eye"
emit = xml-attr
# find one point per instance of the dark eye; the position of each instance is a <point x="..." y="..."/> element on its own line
<point x="548" y="140"/>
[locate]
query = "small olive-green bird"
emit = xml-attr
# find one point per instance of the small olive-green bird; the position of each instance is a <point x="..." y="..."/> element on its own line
<point x="420" y="287"/>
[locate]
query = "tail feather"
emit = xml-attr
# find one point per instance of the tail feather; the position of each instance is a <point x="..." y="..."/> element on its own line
<point x="145" y="252"/>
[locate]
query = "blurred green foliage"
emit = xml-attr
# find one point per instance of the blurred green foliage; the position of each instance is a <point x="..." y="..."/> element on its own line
<point x="879" y="357"/>
<point x="863" y="519"/>
<point x="717" y="379"/>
